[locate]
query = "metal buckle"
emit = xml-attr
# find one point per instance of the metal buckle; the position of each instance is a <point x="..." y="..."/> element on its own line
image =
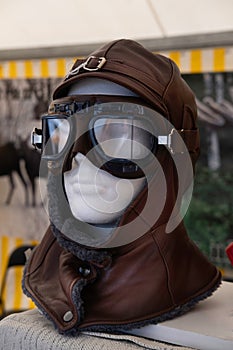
<point x="36" y="138"/>
<point x="169" y="145"/>
<point x="168" y="141"/>
<point x="101" y="61"/>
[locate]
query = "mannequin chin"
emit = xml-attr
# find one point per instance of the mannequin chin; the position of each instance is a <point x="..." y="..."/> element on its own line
<point x="94" y="195"/>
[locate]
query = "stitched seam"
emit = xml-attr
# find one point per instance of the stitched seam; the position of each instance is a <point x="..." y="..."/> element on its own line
<point x="167" y="269"/>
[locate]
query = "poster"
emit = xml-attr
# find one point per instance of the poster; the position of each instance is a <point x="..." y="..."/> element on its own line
<point x="22" y="102"/>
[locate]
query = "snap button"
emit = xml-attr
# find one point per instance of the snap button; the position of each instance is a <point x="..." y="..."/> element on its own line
<point x="68" y="316"/>
<point x="84" y="271"/>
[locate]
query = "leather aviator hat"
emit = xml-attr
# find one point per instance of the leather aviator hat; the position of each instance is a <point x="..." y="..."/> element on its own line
<point x="142" y="268"/>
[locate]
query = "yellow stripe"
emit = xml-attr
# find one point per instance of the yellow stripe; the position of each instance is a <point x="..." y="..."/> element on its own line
<point x="12" y="70"/>
<point x="4" y="252"/>
<point x="219" y="60"/>
<point x="44" y="68"/>
<point x="195" y="64"/>
<point x="34" y="242"/>
<point x="61" y="67"/>
<point x="1" y="71"/>
<point x="175" y="56"/>
<point x="18" y="289"/>
<point x="5" y="249"/>
<point x="18" y="242"/>
<point x="28" y="67"/>
<point x="18" y="278"/>
<point x="31" y="305"/>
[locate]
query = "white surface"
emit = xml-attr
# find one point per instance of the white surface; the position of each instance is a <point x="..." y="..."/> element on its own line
<point x="209" y="326"/>
<point x="56" y="23"/>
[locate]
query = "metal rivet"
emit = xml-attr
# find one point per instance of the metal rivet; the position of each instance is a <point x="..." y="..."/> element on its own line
<point x="84" y="271"/>
<point x="68" y="316"/>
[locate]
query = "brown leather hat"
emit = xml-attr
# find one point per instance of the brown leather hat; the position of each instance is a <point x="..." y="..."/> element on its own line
<point x="153" y="77"/>
<point x="159" y="273"/>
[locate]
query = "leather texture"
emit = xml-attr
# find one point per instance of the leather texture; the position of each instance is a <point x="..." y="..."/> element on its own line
<point x="157" y="276"/>
<point x="153" y="77"/>
<point x="146" y="281"/>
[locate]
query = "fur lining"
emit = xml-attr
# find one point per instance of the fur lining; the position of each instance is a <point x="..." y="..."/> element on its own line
<point x="177" y="311"/>
<point x="97" y="257"/>
<point x="116" y="328"/>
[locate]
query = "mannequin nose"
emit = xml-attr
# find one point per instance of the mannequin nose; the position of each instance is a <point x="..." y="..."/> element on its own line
<point x="81" y="145"/>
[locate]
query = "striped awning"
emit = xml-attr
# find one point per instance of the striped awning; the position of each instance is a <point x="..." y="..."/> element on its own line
<point x="189" y="61"/>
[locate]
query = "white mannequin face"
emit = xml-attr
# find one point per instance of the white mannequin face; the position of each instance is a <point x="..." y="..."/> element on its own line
<point x="94" y="195"/>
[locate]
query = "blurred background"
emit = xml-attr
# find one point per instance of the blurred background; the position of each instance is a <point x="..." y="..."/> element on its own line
<point x="39" y="41"/>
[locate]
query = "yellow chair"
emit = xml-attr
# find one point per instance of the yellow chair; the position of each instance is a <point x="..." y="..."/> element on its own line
<point x="16" y="258"/>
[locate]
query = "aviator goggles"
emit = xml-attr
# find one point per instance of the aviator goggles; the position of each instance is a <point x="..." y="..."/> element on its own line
<point x="119" y="134"/>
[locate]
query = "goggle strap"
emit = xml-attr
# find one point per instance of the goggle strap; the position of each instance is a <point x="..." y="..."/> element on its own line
<point x="174" y="143"/>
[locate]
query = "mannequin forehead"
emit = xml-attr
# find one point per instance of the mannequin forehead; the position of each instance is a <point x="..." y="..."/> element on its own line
<point x="91" y="86"/>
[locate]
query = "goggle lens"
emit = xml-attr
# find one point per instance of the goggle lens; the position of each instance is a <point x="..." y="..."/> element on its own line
<point x="123" y="138"/>
<point x="56" y="134"/>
